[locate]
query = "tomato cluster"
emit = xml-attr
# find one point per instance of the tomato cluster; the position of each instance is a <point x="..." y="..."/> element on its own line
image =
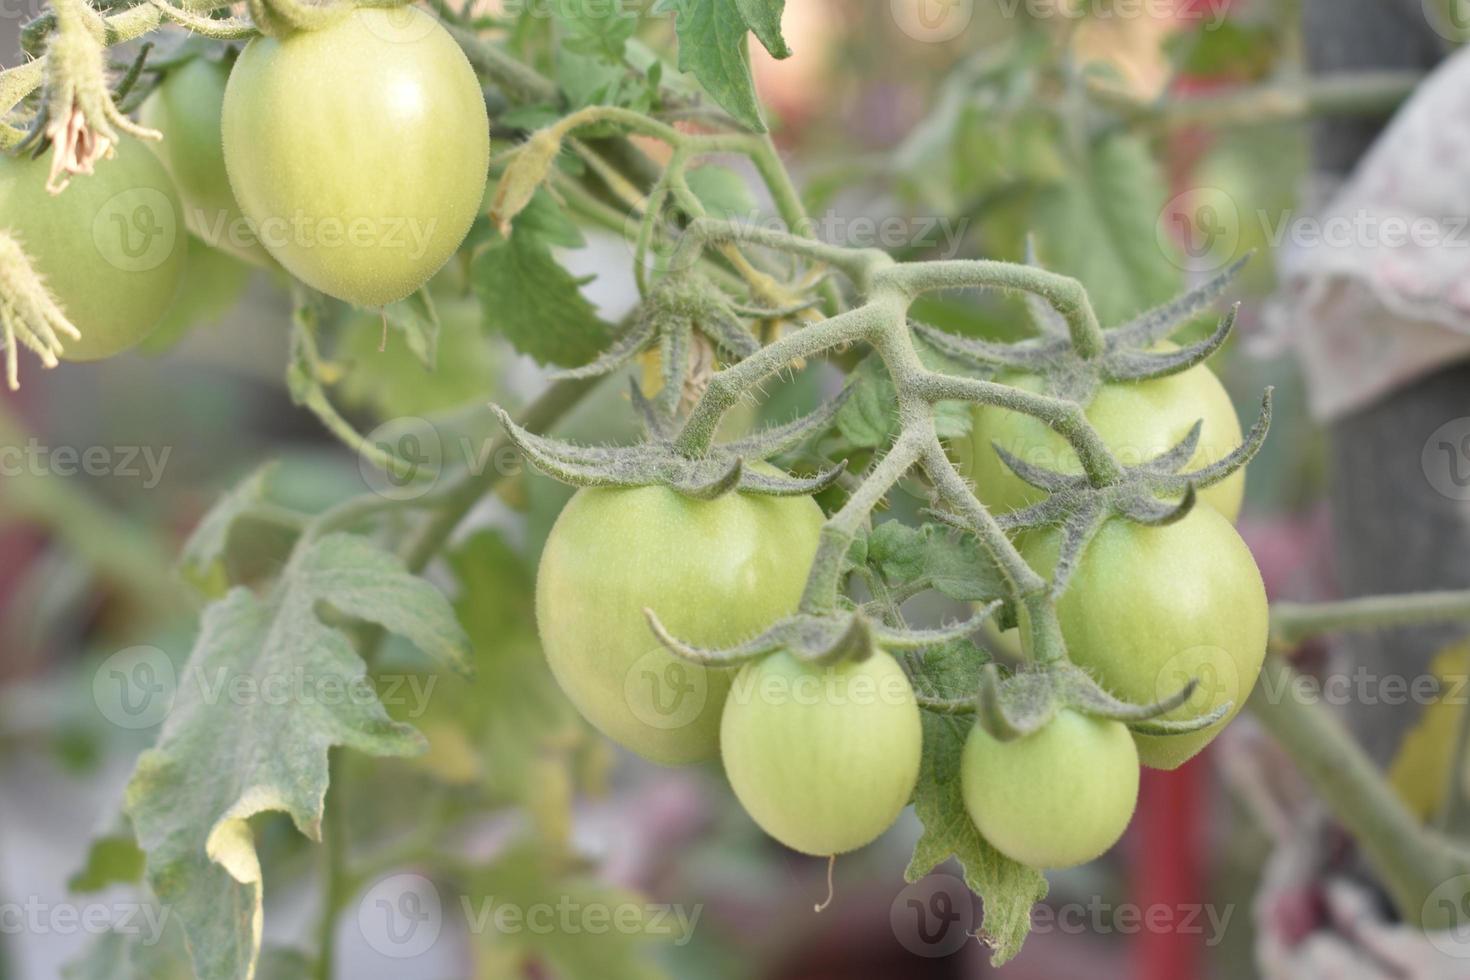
<point x="355" y="156"/>
<point x="825" y="757"/>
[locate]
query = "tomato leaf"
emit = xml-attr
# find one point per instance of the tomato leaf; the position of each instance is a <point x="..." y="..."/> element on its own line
<point x="713" y="48"/>
<point x="1100" y="226"/>
<point x="202" y="561"/>
<point x="528" y="296"/>
<point x="1009" y="889"/>
<point x="269" y="688"/>
<point x="418" y="321"/>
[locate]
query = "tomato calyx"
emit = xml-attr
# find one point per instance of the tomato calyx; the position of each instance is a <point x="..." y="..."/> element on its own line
<point x="1012" y="706"/>
<point x="1128" y="353"/>
<point x="725" y="468"/>
<point x="677" y="308"/>
<point x="821" y="639"/>
<point x="79" y="116"/>
<point x="1153" y="493"/>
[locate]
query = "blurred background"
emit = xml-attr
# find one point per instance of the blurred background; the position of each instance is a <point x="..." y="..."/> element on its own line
<point x="949" y="115"/>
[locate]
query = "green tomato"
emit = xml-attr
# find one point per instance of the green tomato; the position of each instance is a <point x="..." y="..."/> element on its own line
<point x="1137" y="421"/>
<point x="715" y="572"/>
<point x="1150" y="608"/>
<point x="111" y="246"/>
<point x="359" y="152"/>
<point x="1056" y="798"/>
<point x="186" y="109"/>
<point x="822" y="758"/>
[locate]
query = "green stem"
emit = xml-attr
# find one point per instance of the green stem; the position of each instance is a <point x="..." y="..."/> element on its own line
<point x="333" y="874"/>
<point x="1411" y="860"/>
<point x="1292" y="622"/>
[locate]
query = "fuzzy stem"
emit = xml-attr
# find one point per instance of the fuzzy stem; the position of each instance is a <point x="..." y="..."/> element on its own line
<point x="1292" y="622"/>
<point x="1411" y="859"/>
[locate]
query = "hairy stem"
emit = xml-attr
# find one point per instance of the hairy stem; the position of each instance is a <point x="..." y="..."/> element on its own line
<point x="1291" y="622"/>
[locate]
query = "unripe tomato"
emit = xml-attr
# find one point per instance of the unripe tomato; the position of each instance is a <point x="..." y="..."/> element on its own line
<point x="716" y="572"/>
<point x="111" y="246"/>
<point x="1150" y="608"/>
<point x="823" y="758"/>
<point x="1058" y="797"/>
<point x="186" y="109"/>
<point x="359" y="152"/>
<point x="1137" y="421"/>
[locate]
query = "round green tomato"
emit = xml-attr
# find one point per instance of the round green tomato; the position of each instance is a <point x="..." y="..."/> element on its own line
<point x="186" y="109"/>
<point x="1150" y="608"/>
<point x="1137" y="421"/>
<point x="1056" y="798"/>
<point x="715" y="572"/>
<point x="111" y="246"/>
<point x="822" y="758"/>
<point x="359" y="152"/>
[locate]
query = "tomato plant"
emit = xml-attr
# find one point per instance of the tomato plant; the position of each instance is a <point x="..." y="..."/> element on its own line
<point x="359" y="152"/>
<point x="1149" y="609"/>
<point x="1056" y="797"/>
<point x="766" y="574"/>
<point x="187" y="107"/>
<point x="716" y="570"/>
<point x="1138" y="421"/>
<point x="111" y="248"/>
<point x="823" y="758"/>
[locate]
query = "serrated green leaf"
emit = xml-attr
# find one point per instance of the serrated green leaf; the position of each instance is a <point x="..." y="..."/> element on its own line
<point x="268" y="690"/>
<point x="600" y="30"/>
<point x="869" y="419"/>
<point x="933" y="557"/>
<point x="713" y="48"/>
<point x="1100" y="227"/>
<point x="1008" y="889"/>
<point x="527" y="295"/>
<point x="203" y="557"/>
<point x="764" y="18"/>
<point x="112" y="858"/>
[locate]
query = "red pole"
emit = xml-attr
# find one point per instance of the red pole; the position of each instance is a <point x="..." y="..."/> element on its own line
<point x="1168" y="873"/>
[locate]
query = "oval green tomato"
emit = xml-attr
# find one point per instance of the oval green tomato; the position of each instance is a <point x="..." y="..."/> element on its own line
<point x="716" y="572"/>
<point x="111" y="246"/>
<point x="1056" y="798"/>
<point x="359" y="152"/>
<point x="186" y="110"/>
<point x="1150" y="608"/>
<point x="822" y="758"/>
<point x="1137" y="421"/>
